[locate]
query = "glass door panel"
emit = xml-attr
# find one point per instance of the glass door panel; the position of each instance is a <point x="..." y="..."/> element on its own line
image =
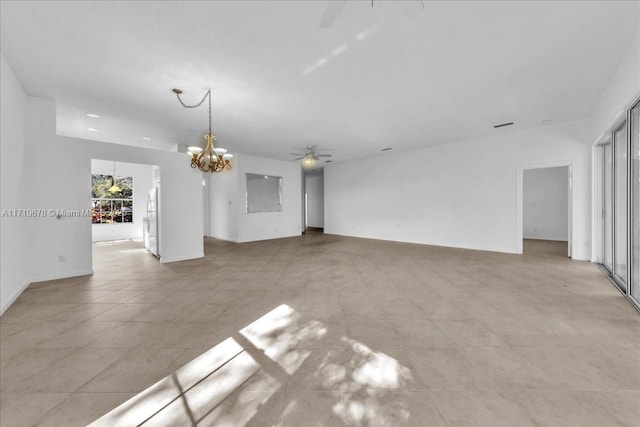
<point x="607" y="207"/>
<point x="620" y="205"/>
<point x="635" y="203"/>
<point x="600" y="205"/>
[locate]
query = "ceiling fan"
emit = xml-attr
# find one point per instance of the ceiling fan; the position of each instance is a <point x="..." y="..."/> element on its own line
<point x="310" y="155"/>
<point x="334" y="9"/>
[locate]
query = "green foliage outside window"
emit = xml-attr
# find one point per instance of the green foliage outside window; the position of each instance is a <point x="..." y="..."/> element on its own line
<point x="108" y="207"/>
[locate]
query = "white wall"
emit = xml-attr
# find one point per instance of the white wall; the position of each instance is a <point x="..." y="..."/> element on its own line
<point x="223" y="204"/>
<point x="142" y="183"/>
<point x="314" y="187"/>
<point x="623" y="88"/>
<point x="461" y="194"/>
<point x="60" y="248"/>
<point x="180" y="195"/>
<point x="546" y="203"/>
<point x="620" y="92"/>
<point x="269" y="225"/>
<point x="228" y="189"/>
<point x="15" y="190"/>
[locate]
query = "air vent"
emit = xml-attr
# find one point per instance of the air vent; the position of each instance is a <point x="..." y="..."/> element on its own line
<point x="386" y="149"/>
<point x="503" y="125"/>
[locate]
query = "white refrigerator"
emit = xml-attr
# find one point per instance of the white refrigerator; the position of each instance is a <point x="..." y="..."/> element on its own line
<point x="150" y="223"/>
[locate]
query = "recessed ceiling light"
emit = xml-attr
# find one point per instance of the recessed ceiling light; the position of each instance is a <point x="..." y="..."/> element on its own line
<point x="93" y="129"/>
<point x="386" y="149"/>
<point x="93" y="116"/>
<point x="146" y="138"/>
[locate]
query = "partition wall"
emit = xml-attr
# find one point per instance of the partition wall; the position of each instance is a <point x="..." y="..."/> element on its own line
<point x="618" y="204"/>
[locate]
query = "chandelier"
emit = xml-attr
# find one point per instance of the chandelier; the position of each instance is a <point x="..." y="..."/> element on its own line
<point x="211" y="159"/>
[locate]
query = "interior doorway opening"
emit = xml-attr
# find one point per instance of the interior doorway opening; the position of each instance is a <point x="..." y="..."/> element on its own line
<point x="313" y="200"/>
<point x="125" y="205"/>
<point x="545" y="210"/>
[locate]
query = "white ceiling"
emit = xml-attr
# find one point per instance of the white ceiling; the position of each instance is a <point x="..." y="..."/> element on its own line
<point x="395" y="75"/>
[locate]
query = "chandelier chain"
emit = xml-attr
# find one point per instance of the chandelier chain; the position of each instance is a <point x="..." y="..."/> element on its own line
<point x="208" y="94"/>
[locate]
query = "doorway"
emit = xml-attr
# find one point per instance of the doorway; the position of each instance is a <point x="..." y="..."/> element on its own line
<point x="545" y="210"/>
<point x="313" y="200"/>
<point x="124" y="205"/>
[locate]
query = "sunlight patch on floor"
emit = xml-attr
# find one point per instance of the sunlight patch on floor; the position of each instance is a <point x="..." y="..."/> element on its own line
<point x="284" y="336"/>
<point x="363" y="385"/>
<point x="144" y="405"/>
<point x="235" y="380"/>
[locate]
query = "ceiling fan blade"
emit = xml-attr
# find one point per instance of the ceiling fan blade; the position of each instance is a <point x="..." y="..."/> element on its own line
<point x="331" y="12"/>
<point x="296" y="154"/>
<point x="324" y="155"/>
<point x="300" y="158"/>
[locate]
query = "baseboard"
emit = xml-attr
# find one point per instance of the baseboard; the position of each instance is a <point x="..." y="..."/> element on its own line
<point x="43" y="278"/>
<point x="422" y="243"/>
<point x="6" y="304"/>
<point x="165" y="260"/>
<point x="225" y="238"/>
<point x="56" y="276"/>
<point x="262" y="239"/>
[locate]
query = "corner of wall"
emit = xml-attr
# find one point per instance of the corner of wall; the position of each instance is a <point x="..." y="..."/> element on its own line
<point x="15" y="192"/>
<point x="8" y="301"/>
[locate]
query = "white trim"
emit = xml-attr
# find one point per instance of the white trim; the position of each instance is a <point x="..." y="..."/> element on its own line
<point x="617" y="121"/>
<point x="8" y="302"/>
<point x="422" y="243"/>
<point x="519" y="199"/>
<point x="43" y="278"/>
<point x="56" y="276"/>
<point x="262" y="239"/>
<point x="165" y="260"/>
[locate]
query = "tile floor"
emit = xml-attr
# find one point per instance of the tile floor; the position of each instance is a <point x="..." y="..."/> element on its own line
<point x="322" y="331"/>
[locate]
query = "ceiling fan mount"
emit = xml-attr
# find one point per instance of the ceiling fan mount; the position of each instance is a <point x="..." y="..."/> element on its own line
<point x="334" y="9"/>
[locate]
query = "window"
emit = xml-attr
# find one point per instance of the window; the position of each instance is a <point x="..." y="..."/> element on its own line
<point x="109" y="206"/>
<point x="263" y="193"/>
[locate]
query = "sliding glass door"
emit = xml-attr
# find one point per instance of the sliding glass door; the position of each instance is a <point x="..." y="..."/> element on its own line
<point x="620" y="212"/>
<point x="618" y="204"/>
<point x="607" y="206"/>
<point x="634" y="123"/>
